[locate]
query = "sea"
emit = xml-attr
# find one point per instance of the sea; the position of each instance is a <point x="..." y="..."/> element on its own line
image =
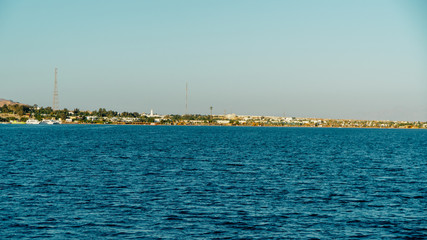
<point x="211" y="182"/>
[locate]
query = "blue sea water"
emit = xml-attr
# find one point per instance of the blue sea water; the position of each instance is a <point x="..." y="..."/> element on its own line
<point x="170" y="182"/>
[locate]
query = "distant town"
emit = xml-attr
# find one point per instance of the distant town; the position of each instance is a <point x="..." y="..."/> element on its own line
<point x="17" y="113"/>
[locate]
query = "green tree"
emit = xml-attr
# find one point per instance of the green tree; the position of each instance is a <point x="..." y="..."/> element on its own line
<point x="5" y="109"/>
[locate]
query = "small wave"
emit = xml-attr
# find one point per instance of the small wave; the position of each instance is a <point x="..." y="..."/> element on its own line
<point x="173" y="218"/>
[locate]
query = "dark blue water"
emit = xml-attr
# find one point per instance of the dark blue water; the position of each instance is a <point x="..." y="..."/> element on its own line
<point x="150" y="182"/>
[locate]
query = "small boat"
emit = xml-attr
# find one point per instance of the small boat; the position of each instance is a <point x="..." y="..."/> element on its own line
<point x="16" y="122"/>
<point x="50" y="122"/>
<point x="32" y="121"/>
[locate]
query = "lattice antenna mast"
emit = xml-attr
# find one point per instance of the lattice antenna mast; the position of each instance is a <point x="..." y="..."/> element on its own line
<point x="55" y="92"/>
<point x="186" y="98"/>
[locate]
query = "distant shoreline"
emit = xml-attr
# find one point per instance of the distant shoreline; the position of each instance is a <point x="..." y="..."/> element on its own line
<point x="213" y="125"/>
<point x="21" y="114"/>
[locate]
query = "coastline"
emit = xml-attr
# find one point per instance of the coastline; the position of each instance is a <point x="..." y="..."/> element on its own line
<point x="225" y="125"/>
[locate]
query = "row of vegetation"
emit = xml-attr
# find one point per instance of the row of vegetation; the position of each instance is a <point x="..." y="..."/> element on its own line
<point x="22" y="113"/>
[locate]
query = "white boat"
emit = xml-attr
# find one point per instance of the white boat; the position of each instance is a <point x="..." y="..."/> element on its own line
<point x="50" y="122"/>
<point x="32" y="121"/>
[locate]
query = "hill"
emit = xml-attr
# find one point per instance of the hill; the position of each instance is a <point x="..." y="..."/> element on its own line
<point x="9" y="102"/>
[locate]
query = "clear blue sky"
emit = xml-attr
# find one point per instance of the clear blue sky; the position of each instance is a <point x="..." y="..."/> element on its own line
<point x="332" y="59"/>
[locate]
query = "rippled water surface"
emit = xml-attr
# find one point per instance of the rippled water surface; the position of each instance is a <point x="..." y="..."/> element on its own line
<point x="151" y="182"/>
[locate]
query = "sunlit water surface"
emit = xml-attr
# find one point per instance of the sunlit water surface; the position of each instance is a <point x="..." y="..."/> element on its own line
<point x="126" y="182"/>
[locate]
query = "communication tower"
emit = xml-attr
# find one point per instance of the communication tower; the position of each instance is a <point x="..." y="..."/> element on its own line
<point x="55" y="92"/>
<point x="186" y="98"/>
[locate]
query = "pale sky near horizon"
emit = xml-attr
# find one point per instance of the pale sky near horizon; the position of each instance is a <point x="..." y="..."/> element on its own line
<point x="330" y="59"/>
